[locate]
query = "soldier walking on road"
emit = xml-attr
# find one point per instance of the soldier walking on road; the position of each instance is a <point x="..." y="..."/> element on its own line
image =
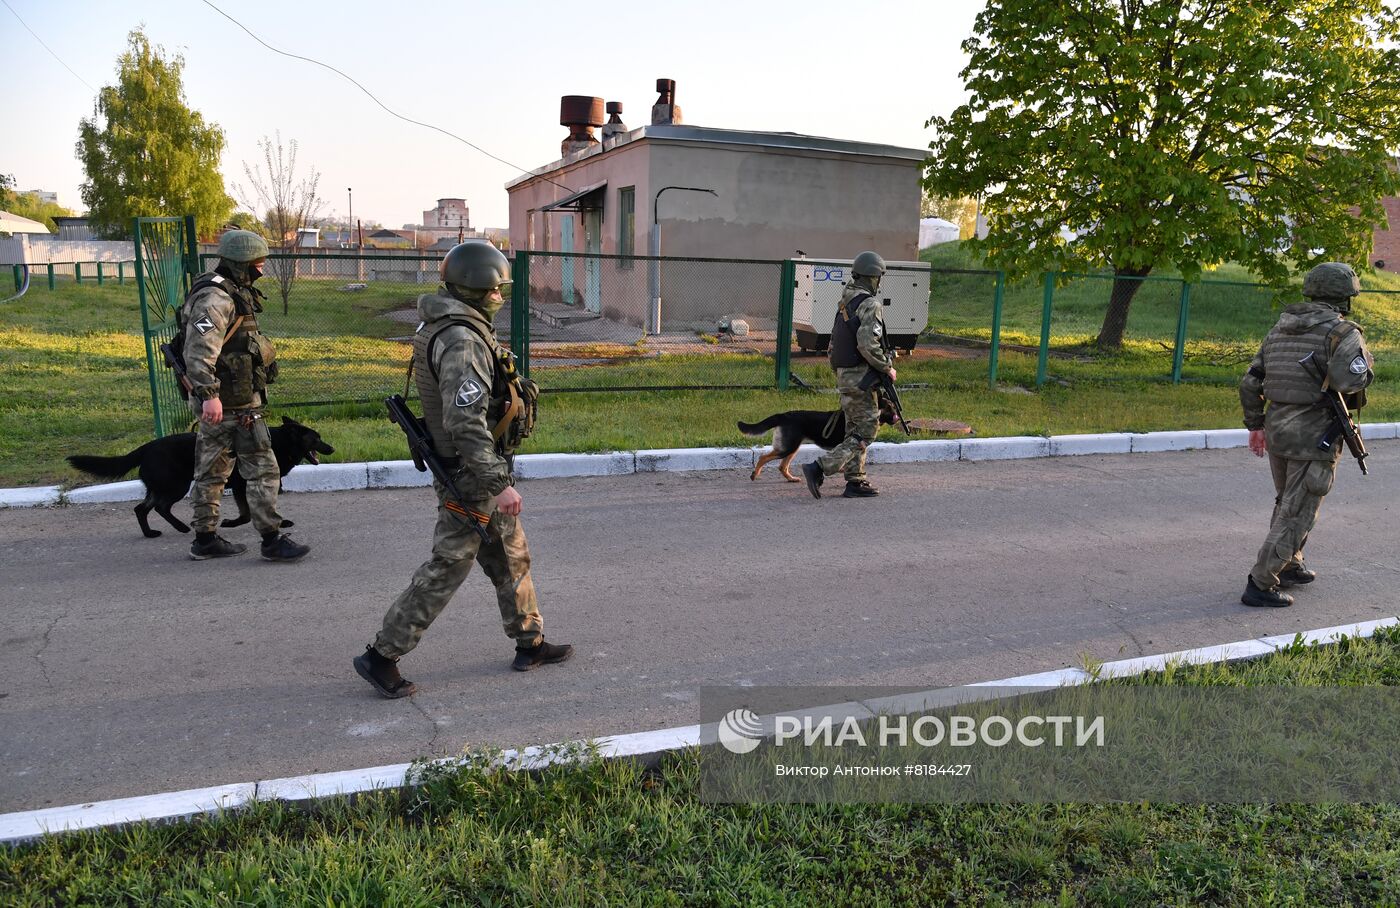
<point x="230" y="363"/>
<point x="477" y="411"/>
<point x="1289" y="430"/>
<point x="858" y="345"/>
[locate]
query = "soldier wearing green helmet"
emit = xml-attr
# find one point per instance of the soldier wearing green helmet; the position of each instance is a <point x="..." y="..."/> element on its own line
<point x="230" y="363"/>
<point x="858" y="345"/>
<point x="477" y="410"/>
<point x="1282" y="396"/>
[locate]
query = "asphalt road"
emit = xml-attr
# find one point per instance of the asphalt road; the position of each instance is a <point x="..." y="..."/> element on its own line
<point x="131" y="670"/>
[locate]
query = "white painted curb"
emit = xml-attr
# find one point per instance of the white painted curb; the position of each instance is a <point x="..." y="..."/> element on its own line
<point x="24" y="826"/>
<point x="391" y="474"/>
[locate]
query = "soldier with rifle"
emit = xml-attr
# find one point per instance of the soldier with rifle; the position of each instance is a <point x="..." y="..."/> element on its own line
<point x="1312" y="368"/>
<point x="862" y="359"/>
<point x="476" y="412"/>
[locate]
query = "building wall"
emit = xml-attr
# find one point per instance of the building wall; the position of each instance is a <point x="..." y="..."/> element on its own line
<point x="1387" y="241"/>
<point x="35" y="249"/>
<point x="773" y="202"/>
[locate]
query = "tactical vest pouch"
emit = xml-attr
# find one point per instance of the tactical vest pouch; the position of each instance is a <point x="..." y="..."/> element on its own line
<point x="264" y="359"/>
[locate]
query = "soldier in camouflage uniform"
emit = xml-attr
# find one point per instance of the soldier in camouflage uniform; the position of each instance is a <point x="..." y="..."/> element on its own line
<point x="229" y="364"/>
<point x="1286" y="418"/>
<point x="470" y="394"/>
<point x="858" y="345"/>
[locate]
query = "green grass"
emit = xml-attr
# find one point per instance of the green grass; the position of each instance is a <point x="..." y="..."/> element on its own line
<point x="610" y="833"/>
<point x="75" y="382"/>
<point x="1223" y="309"/>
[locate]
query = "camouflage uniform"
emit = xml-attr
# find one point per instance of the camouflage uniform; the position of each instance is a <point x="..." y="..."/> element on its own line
<point x="235" y="366"/>
<point x="458" y="384"/>
<point x="862" y="408"/>
<point x="1295" y="420"/>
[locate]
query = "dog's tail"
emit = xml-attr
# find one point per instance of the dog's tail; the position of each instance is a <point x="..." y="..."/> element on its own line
<point x="758" y="428"/>
<point x="107" y="467"/>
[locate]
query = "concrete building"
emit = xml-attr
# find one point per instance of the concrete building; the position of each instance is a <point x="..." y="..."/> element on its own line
<point x="450" y="214"/>
<point x="764" y="195"/>
<point x="1385" y="255"/>
<point x="42" y="195"/>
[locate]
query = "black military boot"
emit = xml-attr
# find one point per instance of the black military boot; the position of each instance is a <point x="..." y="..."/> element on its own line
<point x="211" y="545"/>
<point x="1295" y="576"/>
<point x="813" y="472"/>
<point x="1264" y="598"/>
<point x="383" y="673"/>
<point x="279" y="547"/>
<point x="540" y="654"/>
<point x="861" y="489"/>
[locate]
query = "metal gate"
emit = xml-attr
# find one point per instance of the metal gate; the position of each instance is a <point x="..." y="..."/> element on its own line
<point x="167" y="256"/>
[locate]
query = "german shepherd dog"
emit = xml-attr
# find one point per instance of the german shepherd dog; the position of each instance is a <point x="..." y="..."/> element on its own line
<point x="794" y="427"/>
<point x="167" y="469"/>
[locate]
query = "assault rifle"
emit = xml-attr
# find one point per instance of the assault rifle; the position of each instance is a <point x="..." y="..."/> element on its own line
<point x="1342" y="425"/>
<point x="176" y="363"/>
<point x="882" y="380"/>
<point x="425" y="458"/>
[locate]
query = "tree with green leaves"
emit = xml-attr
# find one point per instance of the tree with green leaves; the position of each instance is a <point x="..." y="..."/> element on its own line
<point x="29" y="204"/>
<point x="1174" y="133"/>
<point x="145" y="152"/>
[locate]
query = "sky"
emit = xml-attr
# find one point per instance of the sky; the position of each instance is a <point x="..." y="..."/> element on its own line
<point x="491" y="72"/>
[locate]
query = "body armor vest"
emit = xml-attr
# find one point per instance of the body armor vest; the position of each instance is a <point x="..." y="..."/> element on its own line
<point x="844" y="352"/>
<point x="513" y="405"/>
<point x="1285" y="380"/>
<point x="247" y="361"/>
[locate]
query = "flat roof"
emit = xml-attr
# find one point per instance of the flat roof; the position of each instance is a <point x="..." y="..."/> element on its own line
<point x="708" y="135"/>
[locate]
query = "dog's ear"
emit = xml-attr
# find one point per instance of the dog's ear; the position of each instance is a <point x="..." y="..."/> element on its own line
<point x="286" y="421"/>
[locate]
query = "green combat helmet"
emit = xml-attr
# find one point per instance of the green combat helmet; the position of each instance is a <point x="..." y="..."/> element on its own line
<point x="242" y="246"/>
<point x="1334" y="283"/>
<point x="868" y="264"/>
<point x="476" y="266"/>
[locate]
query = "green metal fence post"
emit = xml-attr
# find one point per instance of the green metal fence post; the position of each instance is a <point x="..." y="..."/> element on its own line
<point x="520" y="311"/>
<point x="146" y="330"/>
<point x="51" y="282"/>
<point x="998" y="301"/>
<point x="77" y="272"/>
<point x="782" y="359"/>
<point x="1043" y="363"/>
<point x="99" y="274"/>
<point x="192" y="252"/>
<point x="18" y="281"/>
<point x="1179" y="353"/>
<point x="121" y="272"/>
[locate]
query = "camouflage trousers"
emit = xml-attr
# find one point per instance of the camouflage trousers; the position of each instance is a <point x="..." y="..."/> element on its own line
<point x="862" y="409"/>
<point x="506" y="561"/>
<point x="1301" y="486"/>
<point x="215" y="449"/>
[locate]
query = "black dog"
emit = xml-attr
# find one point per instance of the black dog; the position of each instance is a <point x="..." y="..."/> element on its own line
<point x="167" y="469"/>
<point x="796" y="426"/>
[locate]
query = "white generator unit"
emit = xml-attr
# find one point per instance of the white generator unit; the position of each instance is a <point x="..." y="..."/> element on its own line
<point x="904" y="292"/>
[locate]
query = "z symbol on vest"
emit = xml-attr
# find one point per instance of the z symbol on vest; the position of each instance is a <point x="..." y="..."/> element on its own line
<point x="204" y="326"/>
<point x="469" y="393"/>
<point x="1358" y="366"/>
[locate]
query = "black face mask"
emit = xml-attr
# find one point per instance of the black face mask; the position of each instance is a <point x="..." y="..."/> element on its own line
<point x="254" y="273"/>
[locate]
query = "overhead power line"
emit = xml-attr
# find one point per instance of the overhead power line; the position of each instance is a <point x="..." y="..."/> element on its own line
<point x="45" y="46"/>
<point x="372" y="97"/>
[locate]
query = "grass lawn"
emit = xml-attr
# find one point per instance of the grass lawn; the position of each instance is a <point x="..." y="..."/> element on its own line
<point x="75" y="380"/>
<point x="609" y="833"/>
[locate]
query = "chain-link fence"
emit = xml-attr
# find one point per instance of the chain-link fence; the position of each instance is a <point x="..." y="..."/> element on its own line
<point x="608" y="322"/>
<point x="1166" y="329"/>
<point x="343" y="324"/>
<point x="583" y="322"/>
